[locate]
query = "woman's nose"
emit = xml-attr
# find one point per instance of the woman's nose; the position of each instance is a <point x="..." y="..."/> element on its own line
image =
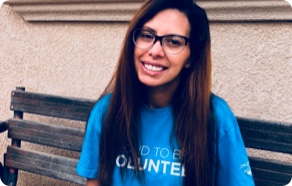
<point x="156" y="49"/>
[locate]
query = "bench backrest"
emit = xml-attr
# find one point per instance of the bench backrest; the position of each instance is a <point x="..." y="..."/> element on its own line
<point x="256" y="134"/>
<point x="49" y="105"/>
<point x="53" y="135"/>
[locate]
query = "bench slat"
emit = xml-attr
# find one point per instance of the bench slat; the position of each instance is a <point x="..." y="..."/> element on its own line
<point x="281" y="137"/>
<point x="270" y="177"/>
<point x="267" y="145"/>
<point x="44" y="164"/>
<point x="51" y="105"/>
<point x="51" y="135"/>
<point x="266" y="125"/>
<point x="271" y="171"/>
<point x="266" y="135"/>
<point x="273" y="165"/>
<point x="263" y="182"/>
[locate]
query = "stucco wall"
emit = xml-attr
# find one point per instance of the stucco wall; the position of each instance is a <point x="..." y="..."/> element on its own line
<point x="252" y="64"/>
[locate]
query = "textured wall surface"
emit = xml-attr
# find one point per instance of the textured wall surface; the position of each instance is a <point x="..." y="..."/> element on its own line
<point x="252" y="65"/>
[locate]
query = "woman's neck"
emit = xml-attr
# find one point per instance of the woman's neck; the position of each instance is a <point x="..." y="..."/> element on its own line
<point x="161" y="96"/>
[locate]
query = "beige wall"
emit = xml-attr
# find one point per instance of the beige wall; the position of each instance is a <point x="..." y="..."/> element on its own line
<point x="252" y="64"/>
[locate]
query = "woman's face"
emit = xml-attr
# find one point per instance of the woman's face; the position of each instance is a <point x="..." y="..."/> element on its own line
<point x="154" y="66"/>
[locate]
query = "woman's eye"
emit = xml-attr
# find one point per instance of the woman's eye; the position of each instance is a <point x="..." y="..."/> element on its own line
<point x="146" y="36"/>
<point x="174" y="42"/>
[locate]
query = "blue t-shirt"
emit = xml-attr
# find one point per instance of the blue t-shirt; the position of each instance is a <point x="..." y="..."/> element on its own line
<point x="160" y="153"/>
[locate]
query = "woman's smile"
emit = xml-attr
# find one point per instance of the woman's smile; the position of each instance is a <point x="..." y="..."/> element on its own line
<point x="153" y="68"/>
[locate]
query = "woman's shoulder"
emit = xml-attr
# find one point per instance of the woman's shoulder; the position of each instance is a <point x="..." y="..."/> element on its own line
<point x="98" y="111"/>
<point x="224" y="118"/>
<point x="101" y="104"/>
<point x="220" y="105"/>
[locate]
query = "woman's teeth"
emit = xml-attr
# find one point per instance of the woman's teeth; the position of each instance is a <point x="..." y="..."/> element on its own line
<point x="153" y="68"/>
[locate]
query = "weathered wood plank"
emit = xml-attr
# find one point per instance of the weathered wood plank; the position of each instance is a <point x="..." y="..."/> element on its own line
<point x="263" y="182"/>
<point x="43" y="156"/>
<point x="51" y="135"/>
<point x="270" y="176"/>
<point x="276" y="136"/>
<point x="45" y="164"/>
<point x="264" y="125"/>
<point x="266" y="135"/>
<point x="267" y="145"/>
<point x="51" y="105"/>
<point x="271" y="172"/>
<point x="49" y="128"/>
<point x="273" y="165"/>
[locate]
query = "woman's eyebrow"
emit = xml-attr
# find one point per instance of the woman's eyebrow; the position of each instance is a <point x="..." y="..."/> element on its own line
<point x="154" y="32"/>
<point x="149" y="29"/>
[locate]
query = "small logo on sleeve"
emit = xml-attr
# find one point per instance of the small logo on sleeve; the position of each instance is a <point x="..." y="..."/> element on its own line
<point x="246" y="168"/>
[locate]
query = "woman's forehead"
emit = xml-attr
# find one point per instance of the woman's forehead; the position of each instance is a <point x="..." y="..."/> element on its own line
<point x="169" y="21"/>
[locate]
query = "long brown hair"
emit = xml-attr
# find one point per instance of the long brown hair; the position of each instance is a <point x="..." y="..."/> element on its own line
<point x="191" y="106"/>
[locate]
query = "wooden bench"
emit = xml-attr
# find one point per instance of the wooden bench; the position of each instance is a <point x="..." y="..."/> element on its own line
<point x="270" y="136"/>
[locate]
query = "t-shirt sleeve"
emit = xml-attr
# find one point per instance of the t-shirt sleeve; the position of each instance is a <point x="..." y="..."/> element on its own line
<point x="232" y="165"/>
<point x="88" y="163"/>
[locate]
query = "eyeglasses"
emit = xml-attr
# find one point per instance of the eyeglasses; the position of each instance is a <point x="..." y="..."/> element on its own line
<point x="171" y="44"/>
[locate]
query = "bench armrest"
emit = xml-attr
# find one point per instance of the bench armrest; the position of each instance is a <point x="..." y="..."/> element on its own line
<point x="3" y="126"/>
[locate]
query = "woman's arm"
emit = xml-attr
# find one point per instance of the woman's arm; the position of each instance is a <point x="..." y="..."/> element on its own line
<point x="92" y="182"/>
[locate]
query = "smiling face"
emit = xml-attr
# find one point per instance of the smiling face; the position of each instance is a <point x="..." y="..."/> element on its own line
<point x="155" y="67"/>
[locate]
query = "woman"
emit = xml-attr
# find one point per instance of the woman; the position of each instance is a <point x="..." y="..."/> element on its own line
<point x="157" y="122"/>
